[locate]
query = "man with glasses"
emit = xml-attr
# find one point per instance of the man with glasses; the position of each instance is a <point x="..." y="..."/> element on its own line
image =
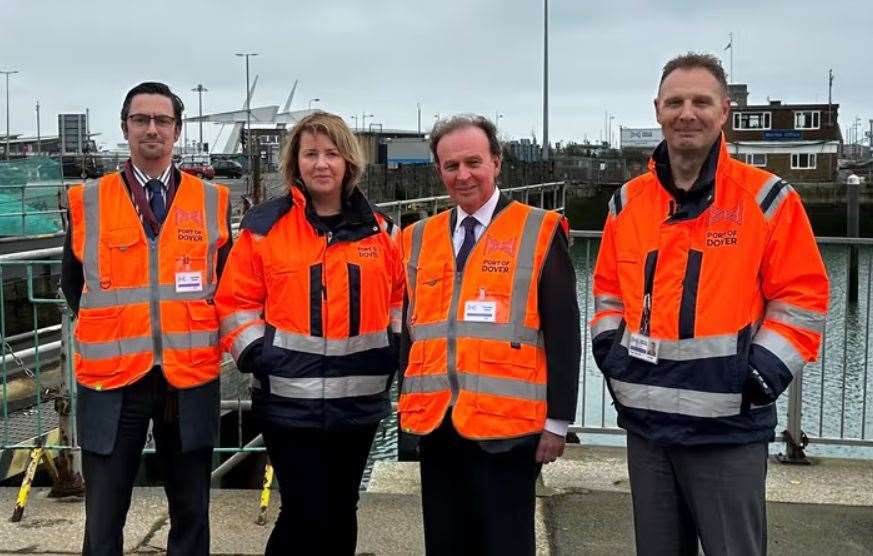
<point x="143" y="253"/>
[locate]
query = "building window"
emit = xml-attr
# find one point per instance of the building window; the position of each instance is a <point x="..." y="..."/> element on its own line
<point x="751" y="120"/>
<point x="807" y="119"/>
<point x="803" y="161"/>
<point x="756" y="159"/>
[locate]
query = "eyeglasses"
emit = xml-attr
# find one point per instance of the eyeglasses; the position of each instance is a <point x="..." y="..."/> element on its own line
<point x="143" y="120"/>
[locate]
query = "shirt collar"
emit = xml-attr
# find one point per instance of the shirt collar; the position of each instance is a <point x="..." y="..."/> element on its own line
<point x="142" y="177"/>
<point x="484" y="214"/>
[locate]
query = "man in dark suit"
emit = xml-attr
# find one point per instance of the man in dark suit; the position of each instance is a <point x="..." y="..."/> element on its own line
<point x="491" y="348"/>
<point x="146" y="334"/>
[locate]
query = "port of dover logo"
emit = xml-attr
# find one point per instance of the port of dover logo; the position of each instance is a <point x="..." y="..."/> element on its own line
<point x="724" y="238"/>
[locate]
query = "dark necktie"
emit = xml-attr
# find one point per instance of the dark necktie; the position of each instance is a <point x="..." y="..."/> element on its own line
<point x="156" y="202"/>
<point x="469" y="224"/>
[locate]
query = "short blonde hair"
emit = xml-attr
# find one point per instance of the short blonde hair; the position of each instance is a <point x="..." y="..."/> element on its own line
<point x="339" y="133"/>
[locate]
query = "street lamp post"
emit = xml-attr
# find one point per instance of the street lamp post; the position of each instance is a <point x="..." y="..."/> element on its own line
<point x="256" y="196"/>
<point x="38" y="136"/>
<point x="7" y="74"/>
<point x="497" y="116"/>
<point x="200" y="89"/>
<point x="313" y="100"/>
<point x="355" y="117"/>
<point x="545" y="79"/>
<point x="364" y="117"/>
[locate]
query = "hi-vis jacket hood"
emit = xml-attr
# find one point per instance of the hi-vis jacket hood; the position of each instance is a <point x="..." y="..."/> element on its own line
<point x="732" y="286"/>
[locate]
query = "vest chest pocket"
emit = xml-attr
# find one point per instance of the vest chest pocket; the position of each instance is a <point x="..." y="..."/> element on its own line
<point x="122" y="257"/>
<point x="431" y="289"/>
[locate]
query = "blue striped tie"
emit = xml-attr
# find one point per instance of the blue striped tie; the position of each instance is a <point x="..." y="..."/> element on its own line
<point x="469" y="224"/>
<point x="157" y="204"/>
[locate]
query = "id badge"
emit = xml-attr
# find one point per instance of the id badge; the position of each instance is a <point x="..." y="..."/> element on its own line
<point x="480" y="311"/>
<point x="189" y="282"/>
<point x="643" y="348"/>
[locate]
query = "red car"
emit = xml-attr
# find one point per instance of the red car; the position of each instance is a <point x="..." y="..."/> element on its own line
<point x="199" y="169"/>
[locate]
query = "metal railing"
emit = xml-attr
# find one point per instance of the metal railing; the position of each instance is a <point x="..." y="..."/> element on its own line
<point x="827" y="404"/>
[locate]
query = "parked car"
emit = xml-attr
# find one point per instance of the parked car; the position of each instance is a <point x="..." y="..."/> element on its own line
<point x="228" y="168"/>
<point x="199" y="169"/>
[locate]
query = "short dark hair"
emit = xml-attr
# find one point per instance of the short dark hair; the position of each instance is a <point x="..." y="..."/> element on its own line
<point x="153" y="88"/>
<point x="693" y="60"/>
<point x="448" y="125"/>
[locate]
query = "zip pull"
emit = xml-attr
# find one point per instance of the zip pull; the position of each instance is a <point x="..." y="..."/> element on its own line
<point x="329" y="237"/>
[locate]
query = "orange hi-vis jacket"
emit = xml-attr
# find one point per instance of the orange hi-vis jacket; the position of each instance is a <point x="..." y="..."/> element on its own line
<point x="311" y="312"/>
<point x="475" y="331"/>
<point x="147" y="302"/>
<point x="732" y="288"/>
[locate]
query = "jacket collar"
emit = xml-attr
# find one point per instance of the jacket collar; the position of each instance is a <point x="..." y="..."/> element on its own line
<point x="690" y="204"/>
<point x="502" y="202"/>
<point x="357" y="214"/>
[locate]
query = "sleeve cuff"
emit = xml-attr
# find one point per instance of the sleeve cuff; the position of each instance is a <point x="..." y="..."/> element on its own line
<point x="557" y="426"/>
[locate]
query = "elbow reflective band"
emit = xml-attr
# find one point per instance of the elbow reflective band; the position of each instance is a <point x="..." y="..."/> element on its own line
<point x="245" y="338"/>
<point x="609" y="323"/>
<point x="326" y="346"/>
<point x="792" y="315"/>
<point x="779" y="346"/>
<point x="318" y="388"/>
<point x="234" y="320"/>
<point x="694" y="403"/>
<point x="608" y="303"/>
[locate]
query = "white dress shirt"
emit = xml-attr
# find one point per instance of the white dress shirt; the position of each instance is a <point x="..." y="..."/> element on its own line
<point x="483" y="218"/>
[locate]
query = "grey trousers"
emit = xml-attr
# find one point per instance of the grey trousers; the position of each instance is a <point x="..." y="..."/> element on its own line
<point x="714" y="493"/>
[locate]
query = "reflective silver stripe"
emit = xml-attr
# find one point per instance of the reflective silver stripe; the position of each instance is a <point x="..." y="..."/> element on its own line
<point x="780" y="198"/>
<point x="256" y="382"/>
<point x="396" y="316"/>
<point x="427" y="384"/>
<point x="608" y="303"/>
<point x="623" y="197"/>
<point x="508" y="332"/>
<point x="113" y="348"/>
<point x="524" y="269"/>
<point x="793" y="315"/>
<point x="692" y="348"/>
<point x="608" y="323"/>
<point x="324" y="346"/>
<point x="91" y="201"/>
<point x="185" y="340"/>
<point x="236" y="319"/>
<point x="210" y="193"/>
<point x="507" y="387"/>
<point x="245" y="338"/>
<point x="779" y="346"/>
<point x="328" y="388"/>
<point x="124" y="296"/>
<point x="694" y="403"/>
<point x="412" y="266"/>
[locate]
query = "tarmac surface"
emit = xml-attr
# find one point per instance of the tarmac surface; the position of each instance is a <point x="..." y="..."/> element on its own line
<point x="583" y="507"/>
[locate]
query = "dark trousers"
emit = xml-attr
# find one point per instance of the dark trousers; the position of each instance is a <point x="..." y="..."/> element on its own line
<point x="109" y="478"/>
<point x="714" y="493"/>
<point x="475" y="502"/>
<point x="319" y="474"/>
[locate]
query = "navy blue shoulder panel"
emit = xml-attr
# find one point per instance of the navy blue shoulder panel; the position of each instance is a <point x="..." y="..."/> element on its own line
<point x="260" y="219"/>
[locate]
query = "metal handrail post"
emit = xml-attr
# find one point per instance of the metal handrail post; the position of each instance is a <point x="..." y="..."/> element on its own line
<point x="794" y="437"/>
<point x="69" y="461"/>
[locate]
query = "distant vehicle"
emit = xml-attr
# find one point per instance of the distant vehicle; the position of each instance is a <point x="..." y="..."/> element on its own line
<point x="199" y="169"/>
<point x="228" y="168"/>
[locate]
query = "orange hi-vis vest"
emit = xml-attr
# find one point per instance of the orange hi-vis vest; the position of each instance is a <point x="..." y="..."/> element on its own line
<point x="145" y="301"/>
<point x="475" y="331"/>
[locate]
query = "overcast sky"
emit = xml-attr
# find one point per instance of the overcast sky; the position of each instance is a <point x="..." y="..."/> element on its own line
<point x="384" y="56"/>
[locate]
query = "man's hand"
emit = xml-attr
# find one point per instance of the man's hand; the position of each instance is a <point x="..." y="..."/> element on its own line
<point x="550" y="448"/>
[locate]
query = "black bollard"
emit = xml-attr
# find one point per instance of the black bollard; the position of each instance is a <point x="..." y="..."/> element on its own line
<point x="852" y="231"/>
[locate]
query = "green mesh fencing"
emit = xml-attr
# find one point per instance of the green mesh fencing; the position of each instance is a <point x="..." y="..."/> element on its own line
<point x="29" y="193"/>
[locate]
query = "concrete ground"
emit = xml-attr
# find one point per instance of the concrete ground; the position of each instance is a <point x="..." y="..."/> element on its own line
<point x="583" y="508"/>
